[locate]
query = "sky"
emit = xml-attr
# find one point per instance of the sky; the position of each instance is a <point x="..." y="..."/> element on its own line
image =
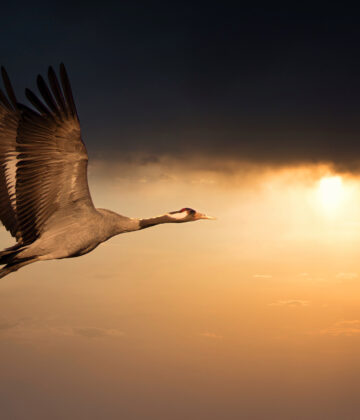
<point x="247" y="113"/>
<point x="262" y="83"/>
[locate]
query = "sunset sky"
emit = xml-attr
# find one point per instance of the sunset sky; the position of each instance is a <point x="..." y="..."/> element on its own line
<point x="249" y="114"/>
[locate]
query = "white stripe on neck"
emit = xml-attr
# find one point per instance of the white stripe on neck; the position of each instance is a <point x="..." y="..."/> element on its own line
<point x="178" y="216"/>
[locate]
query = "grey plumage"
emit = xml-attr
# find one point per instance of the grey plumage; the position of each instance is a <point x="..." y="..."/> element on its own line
<point x="45" y="201"/>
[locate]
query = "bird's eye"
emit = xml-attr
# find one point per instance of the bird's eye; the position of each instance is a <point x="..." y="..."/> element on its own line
<point x="189" y="210"/>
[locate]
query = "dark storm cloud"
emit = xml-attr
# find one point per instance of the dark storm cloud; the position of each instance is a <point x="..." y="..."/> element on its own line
<point x="262" y="84"/>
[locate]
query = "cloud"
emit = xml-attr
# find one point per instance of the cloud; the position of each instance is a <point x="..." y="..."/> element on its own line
<point x="347" y="276"/>
<point x="211" y="335"/>
<point x="346" y="328"/>
<point x="30" y="329"/>
<point x="209" y="97"/>
<point x="9" y="325"/>
<point x="5" y="325"/>
<point x="262" y="276"/>
<point x="291" y="303"/>
<point x="92" y="332"/>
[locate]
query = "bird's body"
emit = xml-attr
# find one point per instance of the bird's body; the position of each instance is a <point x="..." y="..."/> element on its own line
<point x="45" y="201"/>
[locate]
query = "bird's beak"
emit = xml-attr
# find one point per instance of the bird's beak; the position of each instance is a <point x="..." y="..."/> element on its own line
<point x="205" y="216"/>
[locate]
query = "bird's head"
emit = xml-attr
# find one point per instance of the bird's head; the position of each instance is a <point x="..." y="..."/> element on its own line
<point x="188" y="215"/>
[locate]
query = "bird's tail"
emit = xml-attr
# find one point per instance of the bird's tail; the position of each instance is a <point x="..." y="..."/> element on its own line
<point x="9" y="258"/>
<point x="8" y="254"/>
<point x="14" y="266"/>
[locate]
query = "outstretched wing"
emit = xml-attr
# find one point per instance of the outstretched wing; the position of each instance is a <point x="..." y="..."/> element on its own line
<point x="9" y="120"/>
<point x="51" y="172"/>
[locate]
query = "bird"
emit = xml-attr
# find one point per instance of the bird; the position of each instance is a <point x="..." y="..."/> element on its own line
<point x="45" y="201"/>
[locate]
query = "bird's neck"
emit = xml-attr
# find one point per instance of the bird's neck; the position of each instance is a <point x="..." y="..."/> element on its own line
<point x="152" y="221"/>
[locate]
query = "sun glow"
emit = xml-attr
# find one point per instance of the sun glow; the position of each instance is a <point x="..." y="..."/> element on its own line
<point x="331" y="192"/>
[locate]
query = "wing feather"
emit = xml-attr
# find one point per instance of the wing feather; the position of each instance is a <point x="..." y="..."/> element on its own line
<point x="46" y="94"/>
<point x="4" y="101"/>
<point x="43" y="160"/>
<point x="9" y="120"/>
<point x="37" y="103"/>
<point x="52" y="159"/>
<point x="67" y="91"/>
<point x="8" y="87"/>
<point x="55" y="87"/>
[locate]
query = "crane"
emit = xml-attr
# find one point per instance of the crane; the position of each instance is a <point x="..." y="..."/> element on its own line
<point x="45" y="202"/>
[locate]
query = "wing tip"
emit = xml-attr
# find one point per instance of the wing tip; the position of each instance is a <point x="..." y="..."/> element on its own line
<point x="63" y="71"/>
<point x="3" y="71"/>
<point x="10" y="100"/>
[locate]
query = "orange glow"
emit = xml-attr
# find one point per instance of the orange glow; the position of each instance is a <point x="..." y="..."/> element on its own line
<point x="270" y="290"/>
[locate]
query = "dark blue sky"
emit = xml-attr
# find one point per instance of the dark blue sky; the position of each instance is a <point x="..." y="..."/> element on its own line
<point x="258" y="82"/>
